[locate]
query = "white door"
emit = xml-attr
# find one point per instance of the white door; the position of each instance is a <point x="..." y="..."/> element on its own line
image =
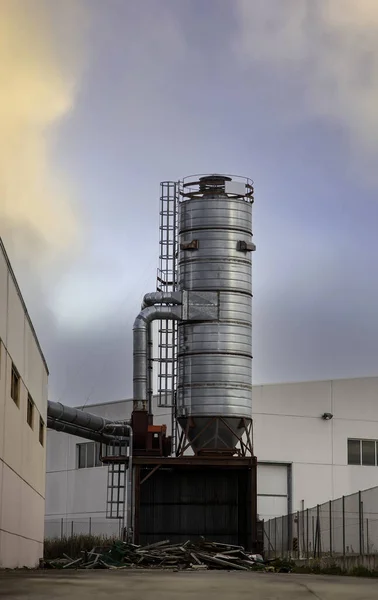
<point x="272" y="490"/>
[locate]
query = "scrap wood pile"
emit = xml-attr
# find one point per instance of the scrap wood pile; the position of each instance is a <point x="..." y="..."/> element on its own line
<point x="197" y="556"/>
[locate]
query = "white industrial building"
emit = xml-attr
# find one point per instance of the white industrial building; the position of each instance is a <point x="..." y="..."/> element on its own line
<point x="23" y="408"/>
<point x="315" y="441"/>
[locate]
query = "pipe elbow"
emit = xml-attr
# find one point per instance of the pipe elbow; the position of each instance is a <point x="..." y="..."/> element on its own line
<point x="161" y="298"/>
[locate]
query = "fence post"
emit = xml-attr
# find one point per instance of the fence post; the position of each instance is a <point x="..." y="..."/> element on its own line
<point x="298" y="534"/>
<point x="282" y="534"/>
<point x="307" y="527"/>
<point x="318" y="534"/>
<point x="90" y="525"/>
<point x="367" y="537"/>
<point x="361" y="523"/>
<point x="330" y="527"/>
<point x="343" y="525"/>
<point x="275" y="537"/>
<point x="61" y="528"/>
<point x="270" y="543"/>
<point x="72" y="529"/>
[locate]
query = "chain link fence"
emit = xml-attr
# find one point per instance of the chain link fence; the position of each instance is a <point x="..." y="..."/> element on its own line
<point x="96" y="526"/>
<point x="346" y="526"/>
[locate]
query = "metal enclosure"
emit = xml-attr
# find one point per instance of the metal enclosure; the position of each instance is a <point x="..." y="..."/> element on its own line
<point x="214" y="392"/>
<point x="185" y="498"/>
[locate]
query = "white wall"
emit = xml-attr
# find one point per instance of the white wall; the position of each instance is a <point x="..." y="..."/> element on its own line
<point x="288" y="428"/>
<point x="22" y="457"/>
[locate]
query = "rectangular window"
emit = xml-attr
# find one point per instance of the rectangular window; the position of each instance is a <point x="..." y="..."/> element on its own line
<point x="41" y="432"/>
<point x="30" y="412"/>
<point x="354" y="452"/>
<point x="363" y="452"/>
<point x="15" y="385"/>
<point x="88" y="455"/>
<point x="368" y="453"/>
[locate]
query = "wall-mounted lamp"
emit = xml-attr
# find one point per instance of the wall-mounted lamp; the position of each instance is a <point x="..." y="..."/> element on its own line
<point x="327" y="416"/>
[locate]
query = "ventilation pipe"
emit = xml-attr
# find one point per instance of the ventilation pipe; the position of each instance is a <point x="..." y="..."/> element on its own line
<point x="87" y="434"/>
<point x="80" y="420"/>
<point x="142" y="341"/>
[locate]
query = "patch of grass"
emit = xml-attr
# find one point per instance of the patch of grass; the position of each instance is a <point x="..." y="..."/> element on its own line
<point x="317" y="567"/>
<point x="74" y="545"/>
<point x="361" y="571"/>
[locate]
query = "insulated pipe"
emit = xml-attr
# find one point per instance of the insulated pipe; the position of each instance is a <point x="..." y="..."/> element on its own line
<point x="141" y="332"/>
<point x="80" y="418"/>
<point x="79" y="431"/>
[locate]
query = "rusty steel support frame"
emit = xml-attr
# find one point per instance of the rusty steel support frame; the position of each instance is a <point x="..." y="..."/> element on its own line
<point x="213" y="462"/>
<point x="245" y="439"/>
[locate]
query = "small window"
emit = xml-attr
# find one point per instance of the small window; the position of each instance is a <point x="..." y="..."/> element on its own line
<point x="15" y="385"/>
<point x="30" y="412"/>
<point x="88" y="455"/>
<point x="41" y="432"/>
<point x="354" y="452"/>
<point x="368" y="453"/>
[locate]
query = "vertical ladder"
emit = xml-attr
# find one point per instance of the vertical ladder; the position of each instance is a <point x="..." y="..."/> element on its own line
<point x="117" y="493"/>
<point x="167" y="282"/>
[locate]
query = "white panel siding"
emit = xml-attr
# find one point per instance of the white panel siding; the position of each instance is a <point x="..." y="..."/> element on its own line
<point x="22" y="457"/>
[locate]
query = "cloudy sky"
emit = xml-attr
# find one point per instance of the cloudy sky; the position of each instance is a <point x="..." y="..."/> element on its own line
<point x="103" y="99"/>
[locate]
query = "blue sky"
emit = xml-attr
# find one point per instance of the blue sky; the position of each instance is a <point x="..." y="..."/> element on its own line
<point x="118" y="96"/>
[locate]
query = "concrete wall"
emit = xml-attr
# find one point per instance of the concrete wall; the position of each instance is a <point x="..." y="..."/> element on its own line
<point x="288" y="430"/>
<point x="22" y="456"/>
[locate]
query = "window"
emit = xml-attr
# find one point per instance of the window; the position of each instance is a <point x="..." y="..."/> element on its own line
<point x="368" y="452"/>
<point x="15" y="385"/>
<point x="363" y="452"/>
<point x="41" y="432"/>
<point x="88" y="455"/>
<point x="30" y="411"/>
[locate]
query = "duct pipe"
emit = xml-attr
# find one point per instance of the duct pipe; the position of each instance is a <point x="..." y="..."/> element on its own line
<point x="141" y="332"/>
<point x="87" y="434"/>
<point x="83" y="419"/>
<point x="161" y="298"/>
<point x="151" y="299"/>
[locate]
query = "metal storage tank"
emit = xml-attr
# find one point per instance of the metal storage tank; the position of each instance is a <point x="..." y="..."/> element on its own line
<point x="214" y="392"/>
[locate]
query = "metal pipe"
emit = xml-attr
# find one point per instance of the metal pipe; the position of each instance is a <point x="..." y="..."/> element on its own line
<point x="87" y="434"/>
<point x="81" y="418"/>
<point x="161" y="298"/>
<point x="141" y="332"/>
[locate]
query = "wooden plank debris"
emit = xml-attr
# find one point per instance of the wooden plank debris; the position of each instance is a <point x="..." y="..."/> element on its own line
<point x="199" y="555"/>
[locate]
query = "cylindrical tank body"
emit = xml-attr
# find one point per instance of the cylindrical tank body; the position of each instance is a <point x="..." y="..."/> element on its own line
<point x="215" y="356"/>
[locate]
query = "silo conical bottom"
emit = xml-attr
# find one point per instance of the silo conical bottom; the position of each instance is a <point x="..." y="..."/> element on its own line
<point x="219" y="434"/>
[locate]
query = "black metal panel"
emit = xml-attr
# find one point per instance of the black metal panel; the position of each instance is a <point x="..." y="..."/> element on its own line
<point x="184" y="503"/>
